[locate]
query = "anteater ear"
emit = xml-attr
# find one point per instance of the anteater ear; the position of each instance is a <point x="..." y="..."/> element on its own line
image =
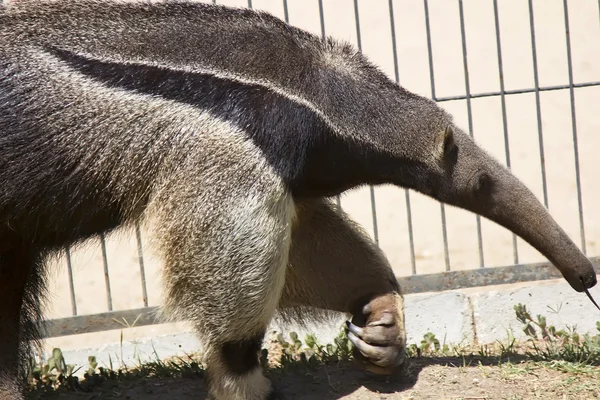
<point x="445" y="143"/>
<point x="449" y="144"/>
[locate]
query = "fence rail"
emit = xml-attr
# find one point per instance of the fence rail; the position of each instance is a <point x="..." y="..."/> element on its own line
<point x="415" y="282"/>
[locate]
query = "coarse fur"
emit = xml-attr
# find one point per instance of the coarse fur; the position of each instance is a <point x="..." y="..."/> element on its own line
<point x="224" y="131"/>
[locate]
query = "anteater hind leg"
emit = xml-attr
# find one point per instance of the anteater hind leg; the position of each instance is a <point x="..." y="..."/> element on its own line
<point x="17" y="268"/>
<point x="334" y="265"/>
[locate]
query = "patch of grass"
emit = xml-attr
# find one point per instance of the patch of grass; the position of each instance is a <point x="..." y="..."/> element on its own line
<point x="53" y="375"/>
<point x="43" y="377"/>
<point x="546" y="343"/>
<point x="431" y="346"/>
<point x="510" y="369"/>
<point x="311" y="353"/>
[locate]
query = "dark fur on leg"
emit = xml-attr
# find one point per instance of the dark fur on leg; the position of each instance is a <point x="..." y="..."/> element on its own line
<point x="21" y="295"/>
<point x="241" y="356"/>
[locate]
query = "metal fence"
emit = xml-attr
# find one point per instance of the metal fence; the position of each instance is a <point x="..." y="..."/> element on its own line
<point x="482" y="273"/>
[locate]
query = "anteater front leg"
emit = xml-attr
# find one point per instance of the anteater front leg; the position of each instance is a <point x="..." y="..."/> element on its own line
<point x="334" y="265"/>
<point x="222" y="224"/>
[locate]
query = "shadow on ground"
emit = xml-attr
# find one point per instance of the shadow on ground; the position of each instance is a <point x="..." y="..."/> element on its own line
<point x="334" y="381"/>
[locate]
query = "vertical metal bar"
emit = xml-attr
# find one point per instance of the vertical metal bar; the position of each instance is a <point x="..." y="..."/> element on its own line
<point x="574" y="127"/>
<point x="106" y="277"/>
<point x="393" y="33"/>
<point x="504" y="118"/>
<point x="469" y="113"/>
<point x="322" y="19"/>
<point x="374" y="214"/>
<point x="71" y="282"/>
<point x="406" y="192"/>
<point x="286" y="11"/>
<point x="249" y="3"/>
<point x="138" y="236"/>
<point x="431" y="77"/>
<point x="371" y="188"/>
<point x="214" y="1"/>
<point x="537" y="104"/>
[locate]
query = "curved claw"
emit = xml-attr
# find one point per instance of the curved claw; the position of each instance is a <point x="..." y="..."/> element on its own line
<point x="355" y="329"/>
<point x="355" y="340"/>
<point x="380" y="356"/>
<point x="369" y="351"/>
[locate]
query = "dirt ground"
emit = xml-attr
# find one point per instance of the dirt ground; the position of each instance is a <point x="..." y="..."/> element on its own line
<point x="426" y="378"/>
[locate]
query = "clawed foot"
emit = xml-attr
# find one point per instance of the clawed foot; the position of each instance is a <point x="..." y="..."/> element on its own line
<point x="380" y="341"/>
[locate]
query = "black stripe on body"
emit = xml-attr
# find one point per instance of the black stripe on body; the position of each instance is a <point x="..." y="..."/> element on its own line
<point x="310" y="158"/>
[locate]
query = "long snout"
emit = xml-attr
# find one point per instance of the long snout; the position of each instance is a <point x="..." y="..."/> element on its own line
<point x="509" y="203"/>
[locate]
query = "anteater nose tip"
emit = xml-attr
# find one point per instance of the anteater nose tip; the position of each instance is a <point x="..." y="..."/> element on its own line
<point x="585" y="277"/>
<point x="590" y="281"/>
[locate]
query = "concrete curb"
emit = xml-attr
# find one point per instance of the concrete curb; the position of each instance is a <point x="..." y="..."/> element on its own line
<point x="494" y="316"/>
